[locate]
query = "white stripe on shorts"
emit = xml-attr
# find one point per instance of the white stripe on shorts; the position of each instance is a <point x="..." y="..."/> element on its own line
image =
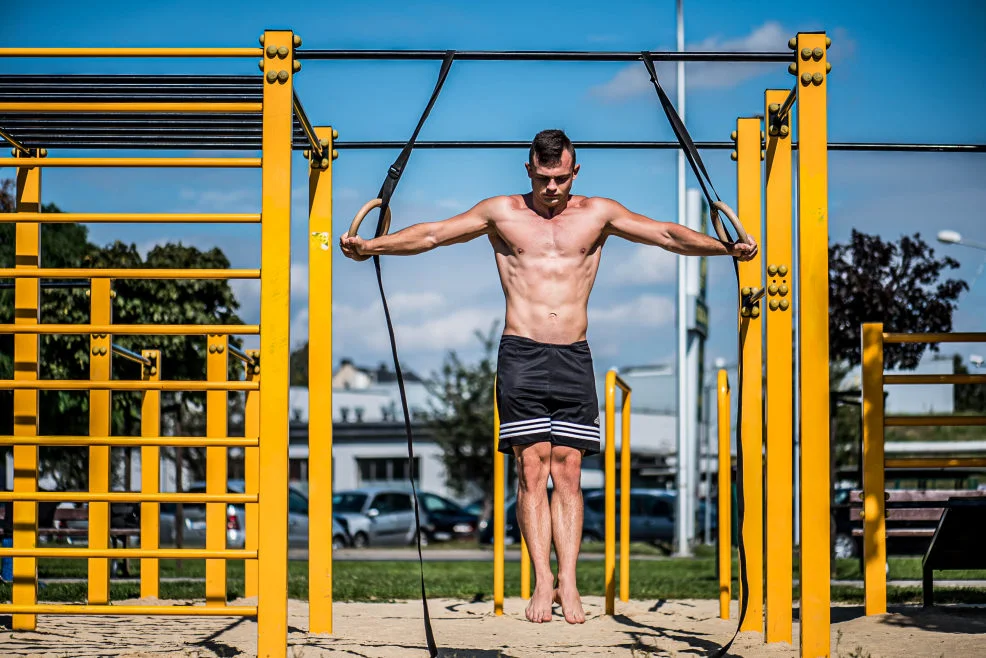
<point x="575" y="436"/>
<point x="520" y="423"/>
<point x="525" y="432"/>
<point x="575" y="427"/>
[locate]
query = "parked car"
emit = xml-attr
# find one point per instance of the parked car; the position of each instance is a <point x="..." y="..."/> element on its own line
<point x="193" y="534"/>
<point x="379" y="516"/>
<point x="448" y="519"/>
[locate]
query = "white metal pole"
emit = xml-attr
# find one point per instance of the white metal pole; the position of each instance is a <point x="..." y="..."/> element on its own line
<point x="684" y="466"/>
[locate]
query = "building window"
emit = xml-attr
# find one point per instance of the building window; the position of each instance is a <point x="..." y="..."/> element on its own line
<point x="385" y="469"/>
<point x="298" y="470"/>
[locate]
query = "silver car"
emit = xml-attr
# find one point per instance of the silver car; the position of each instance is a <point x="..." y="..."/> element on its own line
<point x="377" y="516"/>
<point x="193" y="534"/>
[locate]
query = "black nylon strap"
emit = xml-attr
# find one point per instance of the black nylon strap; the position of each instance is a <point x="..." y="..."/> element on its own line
<point x="386" y="192"/>
<point x="698" y="167"/>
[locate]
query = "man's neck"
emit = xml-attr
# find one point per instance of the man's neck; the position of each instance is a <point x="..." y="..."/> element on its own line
<point x="542" y="210"/>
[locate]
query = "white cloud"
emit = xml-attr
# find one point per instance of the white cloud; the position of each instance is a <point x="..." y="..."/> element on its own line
<point x="414" y="302"/>
<point x="644" y="311"/>
<point x="647" y="265"/>
<point x="633" y="80"/>
<point x="299" y="329"/>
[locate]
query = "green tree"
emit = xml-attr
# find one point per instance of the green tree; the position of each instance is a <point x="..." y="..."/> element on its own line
<point x="137" y="301"/>
<point x="897" y="283"/>
<point x="968" y="397"/>
<point x="461" y="417"/>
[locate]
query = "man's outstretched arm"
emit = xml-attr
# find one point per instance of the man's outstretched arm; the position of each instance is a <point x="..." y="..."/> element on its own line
<point x="425" y="236"/>
<point x="675" y="238"/>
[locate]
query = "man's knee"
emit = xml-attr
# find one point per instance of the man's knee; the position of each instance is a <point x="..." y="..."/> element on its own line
<point x="566" y="468"/>
<point x="533" y="465"/>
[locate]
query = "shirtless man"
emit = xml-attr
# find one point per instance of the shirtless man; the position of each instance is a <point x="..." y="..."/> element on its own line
<point x="547" y="244"/>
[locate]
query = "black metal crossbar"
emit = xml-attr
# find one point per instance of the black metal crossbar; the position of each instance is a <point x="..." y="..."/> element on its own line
<point x="657" y="145"/>
<point x="546" y="56"/>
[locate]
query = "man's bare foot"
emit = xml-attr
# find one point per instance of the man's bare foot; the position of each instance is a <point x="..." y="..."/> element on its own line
<point x="539" y="609"/>
<point x="571" y="604"/>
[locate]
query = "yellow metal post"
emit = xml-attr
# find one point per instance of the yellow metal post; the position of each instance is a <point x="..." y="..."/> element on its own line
<point x="499" y="511"/>
<point x="251" y="470"/>
<point x="216" y="414"/>
<point x="609" y="483"/>
<point x="320" y="390"/>
<point x="275" y="317"/>
<point x="150" y="476"/>
<point x="625" y="498"/>
<point x="26" y="311"/>
<point x="525" y="569"/>
<point x="813" y="326"/>
<point x="874" y="520"/>
<point x="749" y="207"/>
<point x="100" y="405"/>
<point x="780" y="371"/>
<point x="725" y="498"/>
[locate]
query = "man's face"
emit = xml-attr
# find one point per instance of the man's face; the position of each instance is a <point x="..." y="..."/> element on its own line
<point x="552" y="185"/>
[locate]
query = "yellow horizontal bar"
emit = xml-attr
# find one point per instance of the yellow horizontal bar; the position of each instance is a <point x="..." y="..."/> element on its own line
<point x="205" y="108"/>
<point x="131" y="52"/>
<point x="124" y="497"/>
<point x="935" y="462"/>
<point x="934" y="379"/>
<point x="134" y="329"/>
<point x="934" y="421"/>
<point x="958" y="337"/>
<point x="196" y="441"/>
<point x="622" y="384"/>
<point x="130" y="218"/>
<point x="122" y="385"/>
<point x="130" y="553"/>
<point x="173" y="610"/>
<point x="149" y="273"/>
<point x="228" y="163"/>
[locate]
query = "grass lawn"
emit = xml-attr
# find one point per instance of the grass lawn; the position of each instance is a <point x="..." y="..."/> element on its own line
<point x="672" y="578"/>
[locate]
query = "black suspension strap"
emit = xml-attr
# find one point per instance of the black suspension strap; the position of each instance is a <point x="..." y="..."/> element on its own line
<point x="716" y="205"/>
<point x="383" y="225"/>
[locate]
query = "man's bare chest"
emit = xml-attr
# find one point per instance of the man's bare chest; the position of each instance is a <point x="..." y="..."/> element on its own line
<point x="562" y="237"/>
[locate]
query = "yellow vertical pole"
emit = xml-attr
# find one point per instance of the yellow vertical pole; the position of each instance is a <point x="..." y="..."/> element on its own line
<point x="625" y="500"/>
<point x="251" y="476"/>
<point x="150" y="476"/>
<point x="725" y="499"/>
<point x="813" y="325"/>
<point x="216" y="414"/>
<point x="874" y="521"/>
<point x="525" y="569"/>
<point x="780" y="372"/>
<point x="100" y="354"/>
<point x="275" y="318"/>
<point x="320" y="390"/>
<point x="27" y="298"/>
<point x="749" y="207"/>
<point x="499" y="511"/>
<point x="609" y="479"/>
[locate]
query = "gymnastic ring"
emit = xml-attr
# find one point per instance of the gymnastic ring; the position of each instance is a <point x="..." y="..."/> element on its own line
<point x="733" y="219"/>
<point x="364" y="211"/>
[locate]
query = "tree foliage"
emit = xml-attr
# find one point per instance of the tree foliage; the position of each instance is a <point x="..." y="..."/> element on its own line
<point x="137" y="301"/>
<point x="462" y="418"/>
<point x="968" y="397"/>
<point x="897" y="283"/>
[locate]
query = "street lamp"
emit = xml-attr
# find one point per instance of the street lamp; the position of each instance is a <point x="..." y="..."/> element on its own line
<point x="954" y="237"/>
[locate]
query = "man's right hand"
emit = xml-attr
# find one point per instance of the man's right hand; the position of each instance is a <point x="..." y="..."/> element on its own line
<point x="352" y="247"/>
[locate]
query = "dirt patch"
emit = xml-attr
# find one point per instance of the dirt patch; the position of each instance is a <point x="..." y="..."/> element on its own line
<point x="470" y="630"/>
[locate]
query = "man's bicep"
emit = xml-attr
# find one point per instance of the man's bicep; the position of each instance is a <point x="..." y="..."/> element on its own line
<point x="463" y="227"/>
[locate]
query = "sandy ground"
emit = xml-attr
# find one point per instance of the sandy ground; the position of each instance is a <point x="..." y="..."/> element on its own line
<point x="470" y="630"/>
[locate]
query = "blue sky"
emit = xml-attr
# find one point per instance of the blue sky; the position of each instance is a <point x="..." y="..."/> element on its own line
<point x="906" y="74"/>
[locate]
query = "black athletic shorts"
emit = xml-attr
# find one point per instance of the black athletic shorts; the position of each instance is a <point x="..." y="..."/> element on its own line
<point x="546" y="392"/>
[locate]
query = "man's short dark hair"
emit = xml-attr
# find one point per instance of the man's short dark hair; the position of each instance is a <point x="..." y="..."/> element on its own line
<point x="548" y="145"/>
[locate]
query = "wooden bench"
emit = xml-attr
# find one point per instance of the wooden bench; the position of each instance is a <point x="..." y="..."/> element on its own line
<point x="958" y="541"/>
<point x="69" y="522"/>
<point x="910" y="513"/>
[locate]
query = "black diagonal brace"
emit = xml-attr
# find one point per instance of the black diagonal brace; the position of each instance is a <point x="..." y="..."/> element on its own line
<point x="386" y="192"/>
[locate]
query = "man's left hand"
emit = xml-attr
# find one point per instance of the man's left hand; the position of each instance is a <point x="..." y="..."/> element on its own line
<point x="743" y="251"/>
